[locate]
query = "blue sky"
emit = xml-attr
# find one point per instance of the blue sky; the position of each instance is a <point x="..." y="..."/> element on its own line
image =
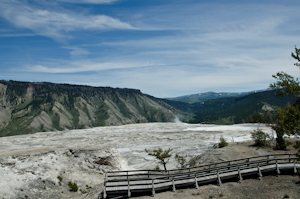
<point x="164" y="48"/>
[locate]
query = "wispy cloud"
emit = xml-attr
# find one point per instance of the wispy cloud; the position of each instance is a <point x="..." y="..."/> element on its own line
<point x="182" y="47"/>
<point x="86" y="66"/>
<point x="17" y="35"/>
<point x="90" y="1"/>
<point x="77" y="52"/>
<point x="55" y="23"/>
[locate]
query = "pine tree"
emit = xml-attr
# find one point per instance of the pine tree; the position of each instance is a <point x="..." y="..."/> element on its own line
<point x="288" y="118"/>
<point x="162" y="156"/>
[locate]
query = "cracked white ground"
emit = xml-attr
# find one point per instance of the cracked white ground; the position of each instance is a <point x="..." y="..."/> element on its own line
<point x="30" y="164"/>
<point x="132" y="140"/>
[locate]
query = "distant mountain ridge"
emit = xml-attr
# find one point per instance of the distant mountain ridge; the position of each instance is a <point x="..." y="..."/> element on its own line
<point x="27" y="107"/>
<point x="202" y="97"/>
<point x="231" y="110"/>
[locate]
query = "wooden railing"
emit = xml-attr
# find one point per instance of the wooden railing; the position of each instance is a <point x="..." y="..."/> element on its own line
<point x="125" y="182"/>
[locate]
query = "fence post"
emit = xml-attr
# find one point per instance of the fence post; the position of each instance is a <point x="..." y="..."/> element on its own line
<point x="196" y="182"/>
<point x="219" y="179"/>
<point x="295" y="169"/>
<point x="259" y="172"/>
<point x="277" y="168"/>
<point x="104" y="191"/>
<point x="240" y="175"/>
<point x="153" y="189"/>
<point x="174" y="188"/>
<point x="129" y="193"/>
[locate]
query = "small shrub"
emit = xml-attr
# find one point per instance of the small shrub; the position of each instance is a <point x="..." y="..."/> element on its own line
<point x="157" y="168"/>
<point x="221" y="195"/>
<point x="59" y="178"/>
<point x="258" y="147"/>
<point x="181" y="160"/>
<point x="222" y="142"/>
<point x="260" y="138"/>
<point x="211" y="196"/>
<point x="288" y="143"/>
<point x="280" y="143"/>
<point x="73" y="186"/>
<point x="286" y="196"/>
<point x="82" y="191"/>
<point x="87" y="187"/>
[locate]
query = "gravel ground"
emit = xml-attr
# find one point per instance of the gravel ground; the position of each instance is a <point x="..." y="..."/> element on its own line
<point x="268" y="187"/>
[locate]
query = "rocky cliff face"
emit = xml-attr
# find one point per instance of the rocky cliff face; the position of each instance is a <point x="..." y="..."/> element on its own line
<point x="34" y="107"/>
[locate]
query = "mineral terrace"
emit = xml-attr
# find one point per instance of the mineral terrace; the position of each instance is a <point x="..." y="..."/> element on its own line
<point x="40" y="165"/>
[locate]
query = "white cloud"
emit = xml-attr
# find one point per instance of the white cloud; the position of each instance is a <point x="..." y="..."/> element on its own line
<point x="55" y="23"/>
<point x="202" y="47"/>
<point x="77" y="52"/>
<point x="85" y="66"/>
<point x="90" y="1"/>
<point x="17" y="35"/>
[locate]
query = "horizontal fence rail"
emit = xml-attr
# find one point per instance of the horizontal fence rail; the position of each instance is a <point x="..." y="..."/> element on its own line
<point x="124" y="182"/>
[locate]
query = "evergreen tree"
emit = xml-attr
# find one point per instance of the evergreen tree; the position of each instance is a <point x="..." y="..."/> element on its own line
<point x="162" y="156"/>
<point x="287" y="119"/>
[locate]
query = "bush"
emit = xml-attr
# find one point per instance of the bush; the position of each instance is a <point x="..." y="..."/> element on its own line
<point x="83" y="191"/>
<point x="222" y="142"/>
<point x="280" y="143"/>
<point x="260" y="138"/>
<point x="73" y="186"/>
<point x="59" y="178"/>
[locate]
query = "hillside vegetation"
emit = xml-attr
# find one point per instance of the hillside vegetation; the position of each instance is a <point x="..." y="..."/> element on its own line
<point x="202" y="97"/>
<point x="231" y="110"/>
<point x="237" y="109"/>
<point x="34" y="107"/>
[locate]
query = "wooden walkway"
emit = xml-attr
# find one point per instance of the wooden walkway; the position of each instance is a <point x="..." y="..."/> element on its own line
<point x="123" y="183"/>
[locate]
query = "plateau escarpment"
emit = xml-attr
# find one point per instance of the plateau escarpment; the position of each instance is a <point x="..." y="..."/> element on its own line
<point x="35" y="107"/>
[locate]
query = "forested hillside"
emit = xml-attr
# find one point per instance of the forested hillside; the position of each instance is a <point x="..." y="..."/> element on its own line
<point x="202" y="97"/>
<point x="232" y="110"/>
<point x="237" y="109"/>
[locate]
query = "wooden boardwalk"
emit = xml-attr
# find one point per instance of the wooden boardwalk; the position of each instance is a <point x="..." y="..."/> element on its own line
<point x="123" y="183"/>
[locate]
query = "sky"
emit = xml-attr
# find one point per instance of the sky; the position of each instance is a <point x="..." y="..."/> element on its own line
<point x="164" y="48"/>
